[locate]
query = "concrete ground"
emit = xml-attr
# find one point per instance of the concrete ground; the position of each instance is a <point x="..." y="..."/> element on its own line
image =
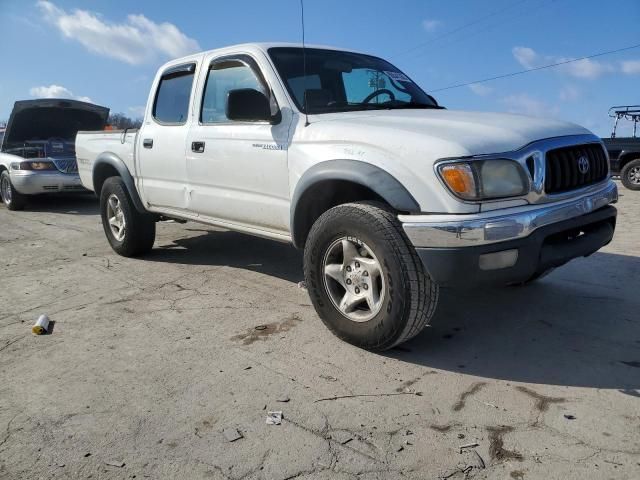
<point x="155" y="364"/>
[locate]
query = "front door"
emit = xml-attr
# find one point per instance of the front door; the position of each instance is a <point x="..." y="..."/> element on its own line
<point x="162" y="141"/>
<point x="238" y="170"/>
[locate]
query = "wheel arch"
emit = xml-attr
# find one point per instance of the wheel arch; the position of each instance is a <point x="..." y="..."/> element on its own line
<point x="110" y="165"/>
<point x="626" y="157"/>
<point x="334" y="182"/>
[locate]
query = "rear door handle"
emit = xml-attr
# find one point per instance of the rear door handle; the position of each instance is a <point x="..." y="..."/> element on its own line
<point x="147" y="143"/>
<point x="197" y="147"/>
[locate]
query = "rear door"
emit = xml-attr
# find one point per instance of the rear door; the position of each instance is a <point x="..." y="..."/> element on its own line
<point x="238" y="170"/>
<point x="162" y="140"/>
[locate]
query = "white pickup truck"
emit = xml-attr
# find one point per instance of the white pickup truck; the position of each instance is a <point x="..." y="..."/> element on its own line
<point x="389" y="194"/>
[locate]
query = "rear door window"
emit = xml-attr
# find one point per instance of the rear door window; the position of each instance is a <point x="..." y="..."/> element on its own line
<point x="171" y="105"/>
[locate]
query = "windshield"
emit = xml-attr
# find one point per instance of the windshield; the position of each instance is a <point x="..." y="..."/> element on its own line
<point x="338" y="81"/>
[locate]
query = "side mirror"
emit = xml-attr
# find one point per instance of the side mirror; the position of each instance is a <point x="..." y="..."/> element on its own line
<point x="248" y="105"/>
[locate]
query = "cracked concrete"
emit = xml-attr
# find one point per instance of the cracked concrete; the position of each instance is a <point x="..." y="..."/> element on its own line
<point x="152" y="359"/>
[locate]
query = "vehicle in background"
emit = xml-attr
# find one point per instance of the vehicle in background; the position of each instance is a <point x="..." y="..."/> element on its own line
<point x="37" y="153"/>
<point x="624" y="152"/>
<point x="341" y="154"/>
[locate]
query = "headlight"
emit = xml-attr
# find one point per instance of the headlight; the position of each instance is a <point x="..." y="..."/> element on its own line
<point x="37" y="166"/>
<point x="484" y="179"/>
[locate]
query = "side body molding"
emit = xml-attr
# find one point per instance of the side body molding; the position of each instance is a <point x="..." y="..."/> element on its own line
<point x="111" y="160"/>
<point x="365" y="174"/>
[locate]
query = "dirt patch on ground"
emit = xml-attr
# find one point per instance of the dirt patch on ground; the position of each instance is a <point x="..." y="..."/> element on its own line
<point x="263" y="332"/>
<point x="496" y="445"/>
<point x="542" y="401"/>
<point x="475" y="388"/>
<point x="444" y="428"/>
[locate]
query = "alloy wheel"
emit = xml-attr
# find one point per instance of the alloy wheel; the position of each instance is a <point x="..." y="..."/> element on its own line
<point x="634" y="175"/>
<point x="5" y="190"/>
<point x="353" y="279"/>
<point x="115" y="216"/>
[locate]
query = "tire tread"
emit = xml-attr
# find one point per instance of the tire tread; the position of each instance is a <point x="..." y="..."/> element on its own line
<point x="140" y="232"/>
<point x="423" y="292"/>
<point x="624" y="173"/>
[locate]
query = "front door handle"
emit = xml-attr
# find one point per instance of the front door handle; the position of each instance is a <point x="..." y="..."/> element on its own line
<point x="197" y="147"/>
<point x="147" y="143"/>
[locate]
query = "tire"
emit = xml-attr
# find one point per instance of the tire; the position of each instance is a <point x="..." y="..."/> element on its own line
<point x="407" y="296"/>
<point x="630" y="175"/>
<point x="138" y="231"/>
<point x="12" y="199"/>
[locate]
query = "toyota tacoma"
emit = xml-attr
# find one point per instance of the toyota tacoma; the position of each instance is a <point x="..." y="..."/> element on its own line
<point x="390" y="195"/>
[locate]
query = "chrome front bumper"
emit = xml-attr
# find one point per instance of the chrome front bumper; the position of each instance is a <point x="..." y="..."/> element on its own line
<point x="446" y="231"/>
<point x="33" y="182"/>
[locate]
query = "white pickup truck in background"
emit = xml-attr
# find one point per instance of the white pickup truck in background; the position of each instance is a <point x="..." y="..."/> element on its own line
<point x="389" y="194"/>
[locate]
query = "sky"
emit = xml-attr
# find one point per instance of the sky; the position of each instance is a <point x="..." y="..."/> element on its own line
<point x="107" y="51"/>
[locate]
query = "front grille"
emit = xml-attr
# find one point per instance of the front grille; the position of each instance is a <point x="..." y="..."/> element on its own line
<point x="66" y="165"/>
<point x="573" y="167"/>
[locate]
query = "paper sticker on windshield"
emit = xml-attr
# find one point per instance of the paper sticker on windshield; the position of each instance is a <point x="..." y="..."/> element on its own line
<point x="397" y="76"/>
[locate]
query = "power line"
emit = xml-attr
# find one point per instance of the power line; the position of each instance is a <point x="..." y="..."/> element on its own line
<point x="458" y="29"/>
<point x="511" y="20"/>
<point x="521" y="72"/>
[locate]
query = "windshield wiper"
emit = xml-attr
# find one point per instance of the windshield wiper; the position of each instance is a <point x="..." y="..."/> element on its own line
<point x="418" y="106"/>
<point x="397" y="105"/>
<point x="393" y="105"/>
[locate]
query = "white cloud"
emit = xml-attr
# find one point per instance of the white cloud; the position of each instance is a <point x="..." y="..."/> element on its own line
<point x="586" y="68"/>
<point x="431" y="25"/>
<point x="135" y="41"/>
<point x="527" y="105"/>
<point x="480" y="89"/>
<point x="569" y="93"/>
<point x="527" y="57"/>
<point x="630" y="67"/>
<point x="56" y="91"/>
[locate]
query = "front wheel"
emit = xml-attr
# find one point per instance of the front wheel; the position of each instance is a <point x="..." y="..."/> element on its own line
<point x="12" y="199"/>
<point x="630" y="175"/>
<point x="365" y="279"/>
<point x="130" y="233"/>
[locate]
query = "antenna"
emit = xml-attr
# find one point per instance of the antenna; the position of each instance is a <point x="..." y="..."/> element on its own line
<point x="304" y="68"/>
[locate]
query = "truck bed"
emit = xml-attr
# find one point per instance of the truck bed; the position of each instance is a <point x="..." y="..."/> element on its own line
<point x="91" y="144"/>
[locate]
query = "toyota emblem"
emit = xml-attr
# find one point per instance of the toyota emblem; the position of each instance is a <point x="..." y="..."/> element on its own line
<point x="583" y="165"/>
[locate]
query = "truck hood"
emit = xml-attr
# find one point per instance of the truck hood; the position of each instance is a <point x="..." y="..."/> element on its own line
<point x="452" y="132"/>
<point x="52" y="118"/>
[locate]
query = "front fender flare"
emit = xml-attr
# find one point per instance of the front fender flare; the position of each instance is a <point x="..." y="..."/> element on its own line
<point x="116" y="162"/>
<point x="385" y="185"/>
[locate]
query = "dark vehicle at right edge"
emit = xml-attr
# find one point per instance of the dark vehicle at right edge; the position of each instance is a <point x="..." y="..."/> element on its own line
<point x="624" y="152"/>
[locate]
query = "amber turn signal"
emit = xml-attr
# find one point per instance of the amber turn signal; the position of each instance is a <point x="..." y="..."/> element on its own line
<point x="459" y="178"/>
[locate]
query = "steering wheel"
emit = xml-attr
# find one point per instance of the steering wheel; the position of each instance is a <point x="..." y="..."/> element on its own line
<point x="377" y="93"/>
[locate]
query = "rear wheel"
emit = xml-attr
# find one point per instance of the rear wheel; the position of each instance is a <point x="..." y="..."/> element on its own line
<point x="129" y="232"/>
<point x="365" y="279"/>
<point x="13" y="199"/>
<point x="630" y="175"/>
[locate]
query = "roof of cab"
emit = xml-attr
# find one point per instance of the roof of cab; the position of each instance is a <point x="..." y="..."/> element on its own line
<point x="248" y="47"/>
